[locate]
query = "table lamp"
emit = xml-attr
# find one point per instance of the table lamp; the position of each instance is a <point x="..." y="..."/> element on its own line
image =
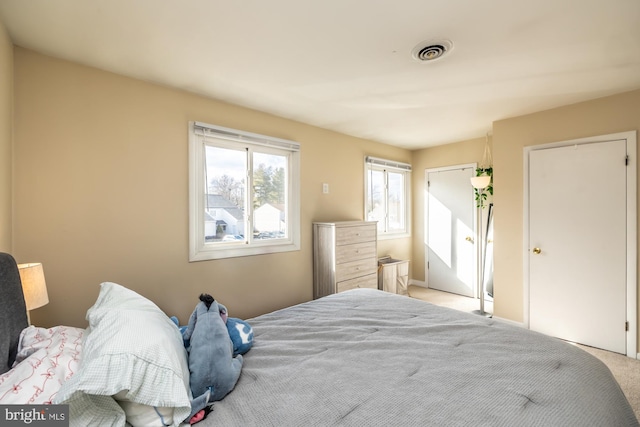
<point x="34" y="286"/>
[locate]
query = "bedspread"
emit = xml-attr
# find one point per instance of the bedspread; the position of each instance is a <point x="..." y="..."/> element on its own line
<point x="370" y="358"/>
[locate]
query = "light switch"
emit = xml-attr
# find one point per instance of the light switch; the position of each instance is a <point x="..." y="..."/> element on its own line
<point x="325" y="188"/>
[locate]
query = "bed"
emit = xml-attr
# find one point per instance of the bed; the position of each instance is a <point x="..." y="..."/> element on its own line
<point x="370" y="358"/>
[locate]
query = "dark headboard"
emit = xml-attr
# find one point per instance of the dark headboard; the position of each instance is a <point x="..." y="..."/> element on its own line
<point x="13" y="312"/>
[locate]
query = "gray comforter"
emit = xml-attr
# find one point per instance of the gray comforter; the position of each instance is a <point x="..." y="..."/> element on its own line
<point x="370" y="358"/>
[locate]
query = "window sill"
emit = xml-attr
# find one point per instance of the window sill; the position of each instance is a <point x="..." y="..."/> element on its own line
<point x="207" y="253"/>
<point x="390" y="236"/>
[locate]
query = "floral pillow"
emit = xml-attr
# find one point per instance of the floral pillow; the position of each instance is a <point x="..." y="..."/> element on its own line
<point x="46" y="358"/>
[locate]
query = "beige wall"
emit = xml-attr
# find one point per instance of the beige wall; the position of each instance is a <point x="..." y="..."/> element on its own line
<point x="100" y="188"/>
<point x="608" y="115"/>
<point x="101" y="192"/>
<point x="602" y="116"/>
<point x="434" y="157"/>
<point x="6" y="101"/>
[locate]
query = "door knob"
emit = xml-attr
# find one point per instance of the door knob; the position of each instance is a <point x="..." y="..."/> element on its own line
<point x="469" y="239"/>
<point x="537" y="251"/>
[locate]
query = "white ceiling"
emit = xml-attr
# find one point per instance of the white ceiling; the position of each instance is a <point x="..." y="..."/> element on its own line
<point x="346" y="65"/>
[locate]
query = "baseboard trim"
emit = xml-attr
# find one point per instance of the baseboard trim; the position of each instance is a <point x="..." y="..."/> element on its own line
<point x="509" y="321"/>
<point x="418" y="283"/>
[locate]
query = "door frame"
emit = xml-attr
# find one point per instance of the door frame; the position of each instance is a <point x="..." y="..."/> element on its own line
<point x="426" y="224"/>
<point x="632" y="239"/>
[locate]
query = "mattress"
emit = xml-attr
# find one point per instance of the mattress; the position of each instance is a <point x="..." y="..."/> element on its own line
<point x="370" y="358"/>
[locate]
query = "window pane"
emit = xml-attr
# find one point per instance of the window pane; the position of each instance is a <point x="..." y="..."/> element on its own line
<point x="269" y="196"/>
<point x="225" y="173"/>
<point x="396" y="201"/>
<point x="375" y="201"/>
<point x="244" y="193"/>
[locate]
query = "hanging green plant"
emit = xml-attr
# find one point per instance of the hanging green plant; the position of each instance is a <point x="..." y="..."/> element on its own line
<point x="481" y="188"/>
<point x="481" y="193"/>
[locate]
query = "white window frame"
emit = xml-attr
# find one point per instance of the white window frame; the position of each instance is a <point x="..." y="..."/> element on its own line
<point x="374" y="163"/>
<point x="202" y="134"/>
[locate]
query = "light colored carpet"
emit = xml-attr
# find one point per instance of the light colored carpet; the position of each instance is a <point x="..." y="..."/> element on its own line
<point x="625" y="369"/>
<point x="446" y="299"/>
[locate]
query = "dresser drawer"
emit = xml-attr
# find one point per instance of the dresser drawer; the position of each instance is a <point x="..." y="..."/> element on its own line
<point x="348" y="253"/>
<point x="358" y="234"/>
<point x="369" y="281"/>
<point x="353" y="269"/>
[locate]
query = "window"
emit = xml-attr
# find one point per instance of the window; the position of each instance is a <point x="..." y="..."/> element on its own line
<point x="243" y="193"/>
<point x="387" y="198"/>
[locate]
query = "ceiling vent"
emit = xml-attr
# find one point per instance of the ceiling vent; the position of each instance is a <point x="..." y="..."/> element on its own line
<point x="431" y="50"/>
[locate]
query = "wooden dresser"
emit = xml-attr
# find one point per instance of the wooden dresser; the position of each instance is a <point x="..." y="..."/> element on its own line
<point x="344" y="256"/>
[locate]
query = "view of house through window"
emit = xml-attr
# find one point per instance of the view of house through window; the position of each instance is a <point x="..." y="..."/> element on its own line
<point x="248" y="202"/>
<point x="386" y="198"/>
<point x="227" y="218"/>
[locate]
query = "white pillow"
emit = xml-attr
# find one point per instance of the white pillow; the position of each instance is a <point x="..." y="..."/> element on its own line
<point x="139" y="415"/>
<point x="46" y="359"/>
<point x="132" y="346"/>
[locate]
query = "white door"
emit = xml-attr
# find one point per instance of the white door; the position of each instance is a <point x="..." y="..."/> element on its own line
<point x="450" y="210"/>
<point x="578" y="243"/>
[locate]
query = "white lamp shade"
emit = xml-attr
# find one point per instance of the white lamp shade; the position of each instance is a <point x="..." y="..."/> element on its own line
<point x="34" y="286"/>
<point x="481" y="181"/>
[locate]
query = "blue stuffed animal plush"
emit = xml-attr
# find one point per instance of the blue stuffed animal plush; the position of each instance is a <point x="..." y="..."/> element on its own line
<point x="213" y="369"/>
<point x="241" y="334"/>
